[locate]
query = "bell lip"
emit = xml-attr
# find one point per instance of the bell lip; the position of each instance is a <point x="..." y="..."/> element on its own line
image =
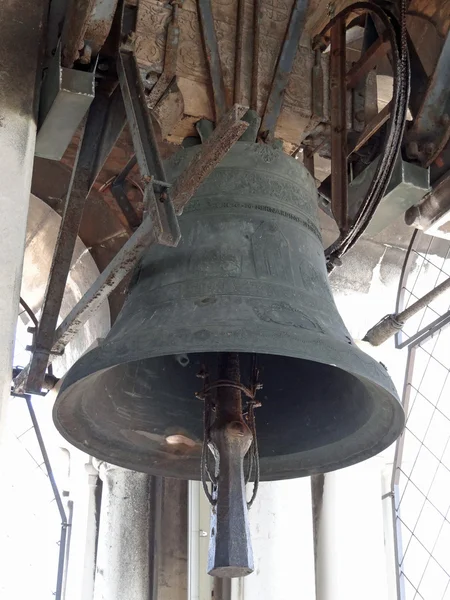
<point x="100" y="359"/>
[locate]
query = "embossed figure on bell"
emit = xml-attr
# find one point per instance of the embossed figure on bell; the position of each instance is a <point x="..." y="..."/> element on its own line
<point x="248" y="278"/>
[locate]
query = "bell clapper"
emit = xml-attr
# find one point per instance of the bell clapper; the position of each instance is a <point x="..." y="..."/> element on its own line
<point x="229" y="438"/>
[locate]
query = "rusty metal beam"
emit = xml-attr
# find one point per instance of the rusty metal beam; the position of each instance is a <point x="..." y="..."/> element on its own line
<point x="372" y="127"/>
<point x="239" y="52"/>
<point x="124" y="261"/>
<point x="147" y="152"/>
<point x="339" y="176"/>
<point x="284" y="67"/>
<point x="212" y="57"/>
<point x="113" y="127"/>
<point x="227" y="132"/>
<point x="77" y="194"/>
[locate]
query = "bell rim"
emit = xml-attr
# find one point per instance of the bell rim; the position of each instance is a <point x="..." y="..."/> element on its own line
<point x="99" y="359"/>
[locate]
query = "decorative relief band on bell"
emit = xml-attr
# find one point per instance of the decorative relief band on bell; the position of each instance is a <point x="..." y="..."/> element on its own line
<point x="203" y="203"/>
<point x="261" y="184"/>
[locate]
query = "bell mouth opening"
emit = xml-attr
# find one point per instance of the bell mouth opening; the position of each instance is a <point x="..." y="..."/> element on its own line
<point x="145" y="415"/>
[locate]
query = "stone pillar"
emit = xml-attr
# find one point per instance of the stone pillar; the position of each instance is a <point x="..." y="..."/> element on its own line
<point x="20" y="37"/>
<point x="142" y="544"/>
<point x="123" y="565"/>
<point x="349" y="531"/>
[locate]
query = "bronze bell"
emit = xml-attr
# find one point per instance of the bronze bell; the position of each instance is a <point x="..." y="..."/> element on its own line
<point x="248" y="276"/>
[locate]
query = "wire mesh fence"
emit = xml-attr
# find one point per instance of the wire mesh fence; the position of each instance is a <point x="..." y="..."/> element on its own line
<point x="421" y="481"/>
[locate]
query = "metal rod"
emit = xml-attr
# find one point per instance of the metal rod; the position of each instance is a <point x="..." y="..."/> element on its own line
<point x="284" y="67"/>
<point x="79" y="188"/>
<point x="61" y="562"/>
<point x="427" y="331"/>
<point x="212" y="57"/>
<point x="227" y="132"/>
<point x="257" y="18"/>
<point x="239" y="53"/>
<point x="48" y="466"/>
<point x="124" y="261"/>
<point x="147" y="152"/>
<point x="391" y="324"/>
<point x="338" y="92"/>
<point x="65" y="522"/>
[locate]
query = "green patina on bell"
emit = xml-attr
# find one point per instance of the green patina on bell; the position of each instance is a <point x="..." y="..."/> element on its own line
<point x="248" y="276"/>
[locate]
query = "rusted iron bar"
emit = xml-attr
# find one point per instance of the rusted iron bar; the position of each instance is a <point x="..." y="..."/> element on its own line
<point x="284" y="67"/>
<point x="367" y="62"/>
<point x="77" y="194"/>
<point x="145" y="145"/>
<point x="239" y="52"/>
<point x="257" y="18"/>
<point x="212" y="57"/>
<point x="113" y="127"/>
<point x="124" y="261"/>
<point x="392" y="324"/>
<point x="170" y="58"/>
<point x="338" y="92"/>
<point x="230" y="550"/>
<point x="227" y="132"/>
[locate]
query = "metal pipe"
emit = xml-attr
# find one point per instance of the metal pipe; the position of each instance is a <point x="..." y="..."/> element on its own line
<point x="392" y="324"/>
<point x="65" y="524"/>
